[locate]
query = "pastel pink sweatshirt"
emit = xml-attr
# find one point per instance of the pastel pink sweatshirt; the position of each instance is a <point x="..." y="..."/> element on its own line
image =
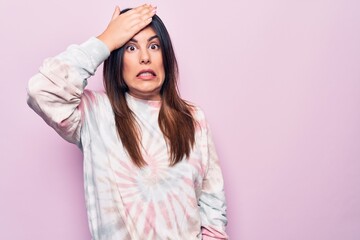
<point x="186" y="201"/>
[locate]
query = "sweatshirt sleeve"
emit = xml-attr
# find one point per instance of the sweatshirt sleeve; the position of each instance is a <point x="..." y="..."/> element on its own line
<point x="212" y="198"/>
<point x="54" y="93"/>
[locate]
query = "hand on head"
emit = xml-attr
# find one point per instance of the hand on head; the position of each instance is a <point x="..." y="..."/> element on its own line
<point x="123" y="27"/>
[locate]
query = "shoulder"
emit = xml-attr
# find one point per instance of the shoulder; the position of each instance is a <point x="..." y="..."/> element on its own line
<point x="195" y="110"/>
<point x="199" y="116"/>
<point x="94" y="100"/>
<point x="94" y="96"/>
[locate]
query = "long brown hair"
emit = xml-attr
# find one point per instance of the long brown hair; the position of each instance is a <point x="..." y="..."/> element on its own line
<point x="175" y="119"/>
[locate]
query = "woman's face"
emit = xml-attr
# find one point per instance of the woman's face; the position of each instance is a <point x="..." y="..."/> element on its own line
<point x="143" y="69"/>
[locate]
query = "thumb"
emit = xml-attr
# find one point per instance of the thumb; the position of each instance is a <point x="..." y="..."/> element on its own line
<point x="116" y="13"/>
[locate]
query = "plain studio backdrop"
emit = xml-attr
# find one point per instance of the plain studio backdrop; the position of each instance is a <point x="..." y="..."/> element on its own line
<point x="278" y="80"/>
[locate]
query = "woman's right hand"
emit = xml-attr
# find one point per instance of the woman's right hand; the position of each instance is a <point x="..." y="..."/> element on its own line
<point x="123" y="27"/>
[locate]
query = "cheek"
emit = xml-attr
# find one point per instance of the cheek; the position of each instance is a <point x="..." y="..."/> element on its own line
<point x="128" y="67"/>
<point x="163" y="72"/>
<point x="160" y="66"/>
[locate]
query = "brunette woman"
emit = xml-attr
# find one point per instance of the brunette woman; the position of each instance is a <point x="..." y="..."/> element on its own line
<point x="150" y="166"/>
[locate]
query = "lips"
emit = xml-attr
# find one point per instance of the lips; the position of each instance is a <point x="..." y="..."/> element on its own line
<point x="146" y="73"/>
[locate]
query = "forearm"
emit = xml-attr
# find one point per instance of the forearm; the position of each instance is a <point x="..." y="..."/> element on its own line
<point x="55" y="92"/>
<point x="212" y="200"/>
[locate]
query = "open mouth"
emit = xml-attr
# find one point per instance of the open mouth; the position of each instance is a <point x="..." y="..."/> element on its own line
<point x="146" y="73"/>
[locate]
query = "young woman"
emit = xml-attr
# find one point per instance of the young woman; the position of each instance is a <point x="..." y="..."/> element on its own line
<point x="150" y="166"/>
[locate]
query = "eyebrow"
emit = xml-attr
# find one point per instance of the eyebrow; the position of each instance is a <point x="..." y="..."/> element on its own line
<point x="149" y="39"/>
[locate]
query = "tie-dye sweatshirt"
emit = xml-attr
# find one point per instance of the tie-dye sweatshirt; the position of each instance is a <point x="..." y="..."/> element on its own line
<point x="182" y="202"/>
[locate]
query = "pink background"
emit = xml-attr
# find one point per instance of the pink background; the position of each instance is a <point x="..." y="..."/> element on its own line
<point x="278" y="80"/>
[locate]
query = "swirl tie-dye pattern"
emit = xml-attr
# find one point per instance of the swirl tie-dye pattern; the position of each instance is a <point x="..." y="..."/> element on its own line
<point x="185" y="201"/>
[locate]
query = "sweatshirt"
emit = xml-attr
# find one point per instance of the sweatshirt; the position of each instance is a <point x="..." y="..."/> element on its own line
<point x="123" y="201"/>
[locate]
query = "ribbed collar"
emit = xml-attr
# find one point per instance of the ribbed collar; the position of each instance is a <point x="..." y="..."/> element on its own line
<point x="138" y="101"/>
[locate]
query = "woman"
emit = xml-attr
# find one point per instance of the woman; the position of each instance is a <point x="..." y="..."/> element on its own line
<point x="150" y="167"/>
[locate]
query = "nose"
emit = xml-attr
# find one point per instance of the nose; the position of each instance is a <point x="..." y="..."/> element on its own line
<point x="144" y="57"/>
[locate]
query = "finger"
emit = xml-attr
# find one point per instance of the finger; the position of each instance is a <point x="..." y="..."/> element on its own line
<point x="142" y="15"/>
<point x="116" y="13"/>
<point x="139" y="24"/>
<point x="148" y="14"/>
<point x="138" y="18"/>
<point x="135" y="12"/>
<point x="144" y="9"/>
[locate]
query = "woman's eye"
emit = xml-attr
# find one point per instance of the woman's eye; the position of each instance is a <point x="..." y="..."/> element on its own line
<point x="154" y="46"/>
<point x="131" y="48"/>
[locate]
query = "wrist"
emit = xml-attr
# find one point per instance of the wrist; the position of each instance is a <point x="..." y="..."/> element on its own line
<point x="106" y="40"/>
